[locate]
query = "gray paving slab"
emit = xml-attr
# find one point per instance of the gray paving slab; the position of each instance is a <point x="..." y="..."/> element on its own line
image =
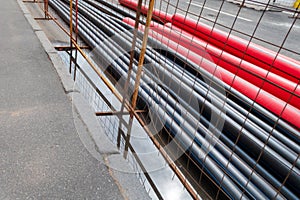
<point x="41" y="153"/>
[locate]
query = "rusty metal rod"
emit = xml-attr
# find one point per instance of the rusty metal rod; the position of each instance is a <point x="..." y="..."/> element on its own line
<point x="71" y="34"/>
<point x="126" y="85"/>
<point x="142" y="54"/>
<point x="76" y="38"/>
<point x="117" y="113"/>
<point x="139" y="73"/>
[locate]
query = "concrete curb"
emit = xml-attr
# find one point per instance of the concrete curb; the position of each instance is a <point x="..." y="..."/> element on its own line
<point x="64" y="75"/>
<point x="257" y="6"/>
<point x="249" y="4"/>
<point x="104" y="146"/>
<point x="33" y="23"/>
<point x="125" y="176"/>
<point x="23" y="7"/>
<point x="45" y="42"/>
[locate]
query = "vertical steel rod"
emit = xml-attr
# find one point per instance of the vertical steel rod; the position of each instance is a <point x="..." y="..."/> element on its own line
<point x="71" y="34"/>
<point x="126" y="86"/>
<point x="142" y="54"/>
<point x="46" y="8"/>
<point x="76" y="37"/>
<point x="139" y="74"/>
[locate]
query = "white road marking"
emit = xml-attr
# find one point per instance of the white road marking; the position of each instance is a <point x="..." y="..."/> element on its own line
<point x="288" y="12"/>
<point x="224" y="13"/>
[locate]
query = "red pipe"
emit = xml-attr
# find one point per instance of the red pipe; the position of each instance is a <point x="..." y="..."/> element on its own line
<point x="262" y="57"/>
<point x="235" y="65"/>
<point x="269" y="101"/>
<point x="157" y="14"/>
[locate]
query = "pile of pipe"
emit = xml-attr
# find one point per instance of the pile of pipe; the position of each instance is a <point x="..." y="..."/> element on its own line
<point x="221" y="101"/>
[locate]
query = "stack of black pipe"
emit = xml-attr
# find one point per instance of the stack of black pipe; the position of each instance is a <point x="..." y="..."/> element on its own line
<point x="243" y="147"/>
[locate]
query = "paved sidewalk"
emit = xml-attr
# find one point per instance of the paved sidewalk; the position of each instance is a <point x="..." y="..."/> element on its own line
<point x="41" y="154"/>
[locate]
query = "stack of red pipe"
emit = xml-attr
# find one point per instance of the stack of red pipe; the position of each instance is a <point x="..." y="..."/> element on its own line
<point x="157" y="14"/>
<point x="270" y="79"/>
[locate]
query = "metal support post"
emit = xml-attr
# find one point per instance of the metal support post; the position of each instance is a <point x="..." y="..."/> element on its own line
<point x="126" y="86"/>
<point x="139" y="74"/>
<point x="76" y="36"/>
<point x="45" y="10"/>
<point x="71" y="35"/>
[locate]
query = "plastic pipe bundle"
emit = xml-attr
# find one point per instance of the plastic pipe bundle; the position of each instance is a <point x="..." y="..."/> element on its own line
<point x="96" y="27"/>
<point x="157" y="14"/>
<point x="271" y="61"/>
<point x="255" y="93"/>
